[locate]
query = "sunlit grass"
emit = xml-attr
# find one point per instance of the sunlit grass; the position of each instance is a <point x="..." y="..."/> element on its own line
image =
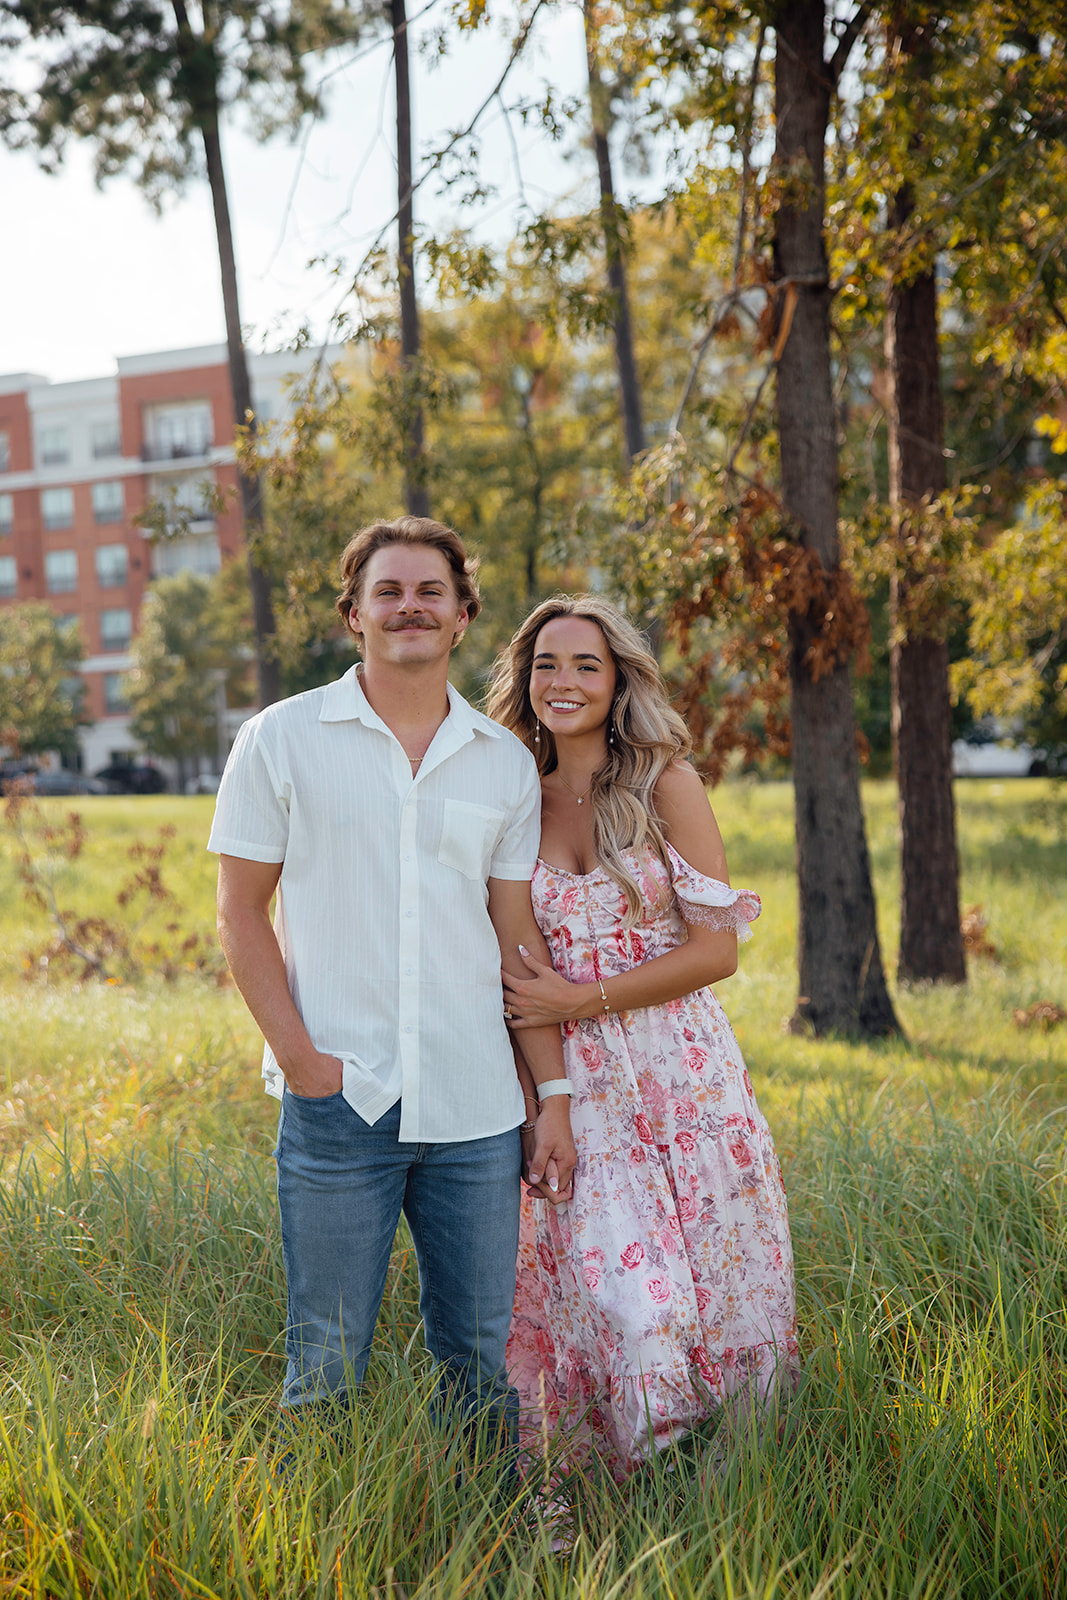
<point x="142" y="1299"/>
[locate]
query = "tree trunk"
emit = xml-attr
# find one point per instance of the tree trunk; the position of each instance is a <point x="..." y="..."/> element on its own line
<point x="842" y="984"/>
<point x="201" y="67"/>
<point x="629" y="386"/>
<point x="931" y="943"/>
<point x="415" y="493"/>
<point x="267" y="670"/>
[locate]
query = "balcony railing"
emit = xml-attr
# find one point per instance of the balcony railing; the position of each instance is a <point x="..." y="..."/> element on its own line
<point x="192" y="451"/>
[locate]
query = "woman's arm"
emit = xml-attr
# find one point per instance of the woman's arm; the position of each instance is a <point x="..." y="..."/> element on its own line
<point x="707" y="956"/>
<point x="550" y="1161"/>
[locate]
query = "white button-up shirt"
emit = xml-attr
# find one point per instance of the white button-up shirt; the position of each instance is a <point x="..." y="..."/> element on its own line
<point x="381" y="912"/>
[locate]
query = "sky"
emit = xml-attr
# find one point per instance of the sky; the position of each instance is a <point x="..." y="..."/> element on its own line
<point x="87" y="275"/>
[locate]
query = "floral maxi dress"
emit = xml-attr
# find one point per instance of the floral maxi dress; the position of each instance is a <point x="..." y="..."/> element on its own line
<point x="666" y="1285"/>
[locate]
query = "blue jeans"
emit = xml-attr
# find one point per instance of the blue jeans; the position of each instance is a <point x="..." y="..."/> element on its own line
<point x="342" y="1185"/>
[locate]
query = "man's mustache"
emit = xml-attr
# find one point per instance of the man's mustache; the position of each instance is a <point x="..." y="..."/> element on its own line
<point x="412" y="622"/>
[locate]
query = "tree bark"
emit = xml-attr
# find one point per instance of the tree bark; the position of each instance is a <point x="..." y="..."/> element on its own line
<point x="625" y="363"/>
<point x="199" y="62"/>
<point x="268" y="674"/>
<point x="415" y="492"/>
<point x="842" y="983"/>
<point x="931" y="942"/>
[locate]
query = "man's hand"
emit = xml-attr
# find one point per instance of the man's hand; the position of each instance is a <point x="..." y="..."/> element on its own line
<point x="315" y="1078"/>
<point x="549" y="1154"/>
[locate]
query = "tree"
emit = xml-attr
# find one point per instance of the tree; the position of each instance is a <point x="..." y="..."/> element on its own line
<point x="415" y="491"/>
<point x="191" y="658"/>
<point x="840" y="967"/>
<point x="931" y="941"/>
<point x="611" y="222"/>
<point x="41" y="693"/>
<point x="1016" y="669"/>
<point x="146" y="81"/>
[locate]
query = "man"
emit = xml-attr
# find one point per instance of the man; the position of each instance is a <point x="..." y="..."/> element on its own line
<point x="400" y="829"/>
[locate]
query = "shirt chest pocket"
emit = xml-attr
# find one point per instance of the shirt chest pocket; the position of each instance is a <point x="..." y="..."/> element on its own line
<point x="469" y="834"/>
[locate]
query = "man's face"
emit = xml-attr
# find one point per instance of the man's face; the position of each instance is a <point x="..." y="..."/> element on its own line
<point x="407" y="610"/>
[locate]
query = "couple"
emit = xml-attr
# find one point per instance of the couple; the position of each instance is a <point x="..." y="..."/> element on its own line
<point x="401" y="830"/>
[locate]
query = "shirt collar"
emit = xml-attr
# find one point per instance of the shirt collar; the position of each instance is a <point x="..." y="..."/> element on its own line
<point x="344" y="701"/>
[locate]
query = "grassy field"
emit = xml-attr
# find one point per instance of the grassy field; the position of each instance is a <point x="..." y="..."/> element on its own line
<point x="141" y="1296"/>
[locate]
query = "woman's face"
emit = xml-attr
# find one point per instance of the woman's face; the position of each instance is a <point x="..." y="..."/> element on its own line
<point x="572" y="679"/>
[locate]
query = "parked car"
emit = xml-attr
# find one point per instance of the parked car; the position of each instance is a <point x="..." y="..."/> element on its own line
<point x="132" y="778"/>
<point x="203" y="783"/>
<point x="61" y="781"/>
<point x="984" y="757"/>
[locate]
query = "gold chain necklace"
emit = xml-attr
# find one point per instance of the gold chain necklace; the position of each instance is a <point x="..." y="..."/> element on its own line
<point x="574" y="792"/>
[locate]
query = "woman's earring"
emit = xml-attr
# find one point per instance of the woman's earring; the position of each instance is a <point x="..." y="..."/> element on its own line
<point x="611" y="731"/>
<point x="537" y="735"/>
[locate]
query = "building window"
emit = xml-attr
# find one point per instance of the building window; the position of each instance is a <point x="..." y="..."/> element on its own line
<point x="105" y="440"/>
<point x="9" y="578"/>
<point x="53" y="444"/>
<point x="61" y="571"/>
<point x="5" y="451"/>
<point x="196" y="553"/>
<point x="176" y="431"/>
<point x="114" y="702"/>
<point x="7" y="513"/>
<point x="111" y="566"/>
<point x="57" y="508"/>
<point x="109" y="502"/>
<point x="187" y="501"/>
<point x="115" y="629"/>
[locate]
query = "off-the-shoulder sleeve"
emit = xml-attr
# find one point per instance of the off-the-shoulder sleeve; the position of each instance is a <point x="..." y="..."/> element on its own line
<point x="710" y="903"/>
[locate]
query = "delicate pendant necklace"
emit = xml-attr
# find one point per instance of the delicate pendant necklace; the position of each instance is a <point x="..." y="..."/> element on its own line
<point x="574" y="792"/>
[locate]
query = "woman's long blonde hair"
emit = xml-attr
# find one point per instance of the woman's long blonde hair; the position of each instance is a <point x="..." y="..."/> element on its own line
<point x="647" y="733"/>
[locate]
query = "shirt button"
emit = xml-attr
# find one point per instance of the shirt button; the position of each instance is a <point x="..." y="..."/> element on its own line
<point x="408" y="1028"/>
<point x="409" y="856"/>
<point x="409" y="972"/>
<point x="409" y="913"/>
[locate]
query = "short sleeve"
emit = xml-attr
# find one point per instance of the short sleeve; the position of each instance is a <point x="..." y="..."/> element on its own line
<point x="515" y="855"/>
<point x="252" y="808"/>
<point x="710" y="903"/>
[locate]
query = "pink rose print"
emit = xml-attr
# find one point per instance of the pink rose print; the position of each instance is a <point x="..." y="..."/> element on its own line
<point x="636" y="1153"/>
<point x="695" y="1058"/>
<point x="637" y="945"/>
<point x="686" y="1141"/>
<point x="699" y="1357"/>
<point x="729" y="1357"/>
<point x="669" y="1243"/>
<point x="644" y="1129"/>
<point x="591" y="1274"/>
<point x="659" y="1289"/>
<point x="548" y="1260"/>
<point x="591" y="1056"/>
<point x="685" y="1111"/>
<point x="687" y="1208"/>
<point x="703" y="1298"/>
<point x="740" y="1152"/>
<point x="747" y="1081"/>
<point x="633" y="1255"/>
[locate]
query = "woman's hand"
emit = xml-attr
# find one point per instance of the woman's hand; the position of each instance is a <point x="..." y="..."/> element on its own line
<point x="548" y="1153"/>
<point x="546" y="997"/>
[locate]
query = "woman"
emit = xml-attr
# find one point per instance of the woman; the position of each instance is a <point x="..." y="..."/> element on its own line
<point x="665" y="1287"/>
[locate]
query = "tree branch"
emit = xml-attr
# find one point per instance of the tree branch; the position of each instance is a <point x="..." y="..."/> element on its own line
<point x="847" y="38"/>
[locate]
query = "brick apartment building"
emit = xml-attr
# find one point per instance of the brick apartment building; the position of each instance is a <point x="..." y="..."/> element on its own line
<point x="79" y="461"/>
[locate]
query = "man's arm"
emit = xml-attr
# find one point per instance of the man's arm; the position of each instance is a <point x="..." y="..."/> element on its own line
<point x="255" y="960"/>
<point x="542" y="1048"/>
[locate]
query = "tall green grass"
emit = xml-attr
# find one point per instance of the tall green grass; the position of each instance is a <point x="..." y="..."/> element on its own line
<point x="142" y="1301"/>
